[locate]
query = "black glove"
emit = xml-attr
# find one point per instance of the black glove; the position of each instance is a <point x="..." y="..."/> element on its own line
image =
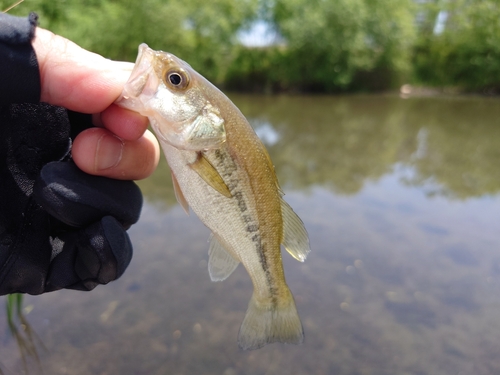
<point x="59" y="227"/>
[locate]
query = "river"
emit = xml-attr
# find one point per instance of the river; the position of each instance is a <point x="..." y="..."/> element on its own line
<point x="400" y="197"/>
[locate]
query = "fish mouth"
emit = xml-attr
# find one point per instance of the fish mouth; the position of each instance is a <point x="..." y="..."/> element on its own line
<point x="140" y="82"/>
<point x="141" y="74"/>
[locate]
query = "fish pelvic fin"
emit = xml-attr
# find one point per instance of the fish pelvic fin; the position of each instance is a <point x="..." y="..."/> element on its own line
<point x="179" y="195"/>
<point x="210" y="175"/>
<point x="295" y="238"/>
<point x="221" y="263"/>
<point x="266" y="323"/>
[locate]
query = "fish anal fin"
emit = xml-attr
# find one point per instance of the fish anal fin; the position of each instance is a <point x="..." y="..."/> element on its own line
<point x="295" y="238"/>
<point x="178" y="194"/>
<point x="210" y="175"/>
<point x="221" y="263"/>
<point x="265" y="323"/>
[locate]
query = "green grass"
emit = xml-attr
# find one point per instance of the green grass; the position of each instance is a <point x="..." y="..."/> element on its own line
<point x="27" y="341"/>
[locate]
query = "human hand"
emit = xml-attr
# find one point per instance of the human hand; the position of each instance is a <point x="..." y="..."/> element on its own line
<point x="120" y="146"/>
<point x="61" y="227"/>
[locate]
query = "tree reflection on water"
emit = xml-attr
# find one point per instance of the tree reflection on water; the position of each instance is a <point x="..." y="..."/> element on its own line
<point x="342" y="142"/>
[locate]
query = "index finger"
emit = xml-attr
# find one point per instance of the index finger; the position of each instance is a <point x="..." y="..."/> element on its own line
<point x="75" y="78"/>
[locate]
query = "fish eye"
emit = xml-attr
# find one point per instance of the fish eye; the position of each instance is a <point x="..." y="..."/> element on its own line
<point x="176" y="78"/>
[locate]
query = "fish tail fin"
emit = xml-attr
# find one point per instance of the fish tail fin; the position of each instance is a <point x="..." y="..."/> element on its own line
<point x="265" y="323"/>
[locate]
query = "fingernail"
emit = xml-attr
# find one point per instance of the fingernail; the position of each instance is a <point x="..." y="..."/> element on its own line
<point x="109" y="152"/>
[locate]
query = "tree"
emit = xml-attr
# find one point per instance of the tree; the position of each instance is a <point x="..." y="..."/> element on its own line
<point x="467" y="52"/>
<point x="329" y="42"/>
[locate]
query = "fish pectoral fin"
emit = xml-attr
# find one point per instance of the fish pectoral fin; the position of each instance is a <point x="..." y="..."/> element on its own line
<point x="210" y="175"/>
<point x="221" y="263"/>
<point x="295" y="238"/>
<point x="178" y="193"/>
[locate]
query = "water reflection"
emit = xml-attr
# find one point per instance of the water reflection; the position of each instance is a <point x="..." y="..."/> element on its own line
<point x="450" y="145"/>
<point x="343" y="142"/>
<point x="400" y="198"/>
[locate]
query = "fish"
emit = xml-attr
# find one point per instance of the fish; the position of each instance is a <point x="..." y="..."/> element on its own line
<point x="223" y="172"/>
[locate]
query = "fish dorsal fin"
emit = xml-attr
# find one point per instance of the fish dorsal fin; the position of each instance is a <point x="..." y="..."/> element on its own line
<point x="221" y="263"/>
<point x="295" y="238"/>
<point x="178" y="194"/>
<point x="210" y="175"/>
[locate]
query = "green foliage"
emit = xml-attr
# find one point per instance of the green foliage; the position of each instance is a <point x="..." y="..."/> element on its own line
<point x="326" y="41"/>
<point x="326" y="45"/>
<point x="330" y="46"/>
<point x="329" y="42"/>
<point x="257" y="69"/>
<point x="467" y="52"/>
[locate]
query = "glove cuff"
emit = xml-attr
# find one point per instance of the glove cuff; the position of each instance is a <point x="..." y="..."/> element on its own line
<point x="19" y="69"/>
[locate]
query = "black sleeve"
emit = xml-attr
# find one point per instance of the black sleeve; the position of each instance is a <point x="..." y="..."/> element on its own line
<point x="19" y="72"/>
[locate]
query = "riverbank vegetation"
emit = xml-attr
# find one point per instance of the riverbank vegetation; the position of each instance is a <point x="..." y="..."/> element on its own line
<point x="311" y="45"/>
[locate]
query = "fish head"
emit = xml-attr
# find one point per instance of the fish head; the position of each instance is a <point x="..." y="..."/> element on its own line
<point x="176" y="99"/>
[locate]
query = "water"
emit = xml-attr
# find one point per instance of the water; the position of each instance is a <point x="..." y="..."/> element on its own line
<point x="401" y="201"/>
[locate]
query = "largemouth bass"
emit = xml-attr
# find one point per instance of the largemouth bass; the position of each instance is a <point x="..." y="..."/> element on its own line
<point x="222" y="171"/>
